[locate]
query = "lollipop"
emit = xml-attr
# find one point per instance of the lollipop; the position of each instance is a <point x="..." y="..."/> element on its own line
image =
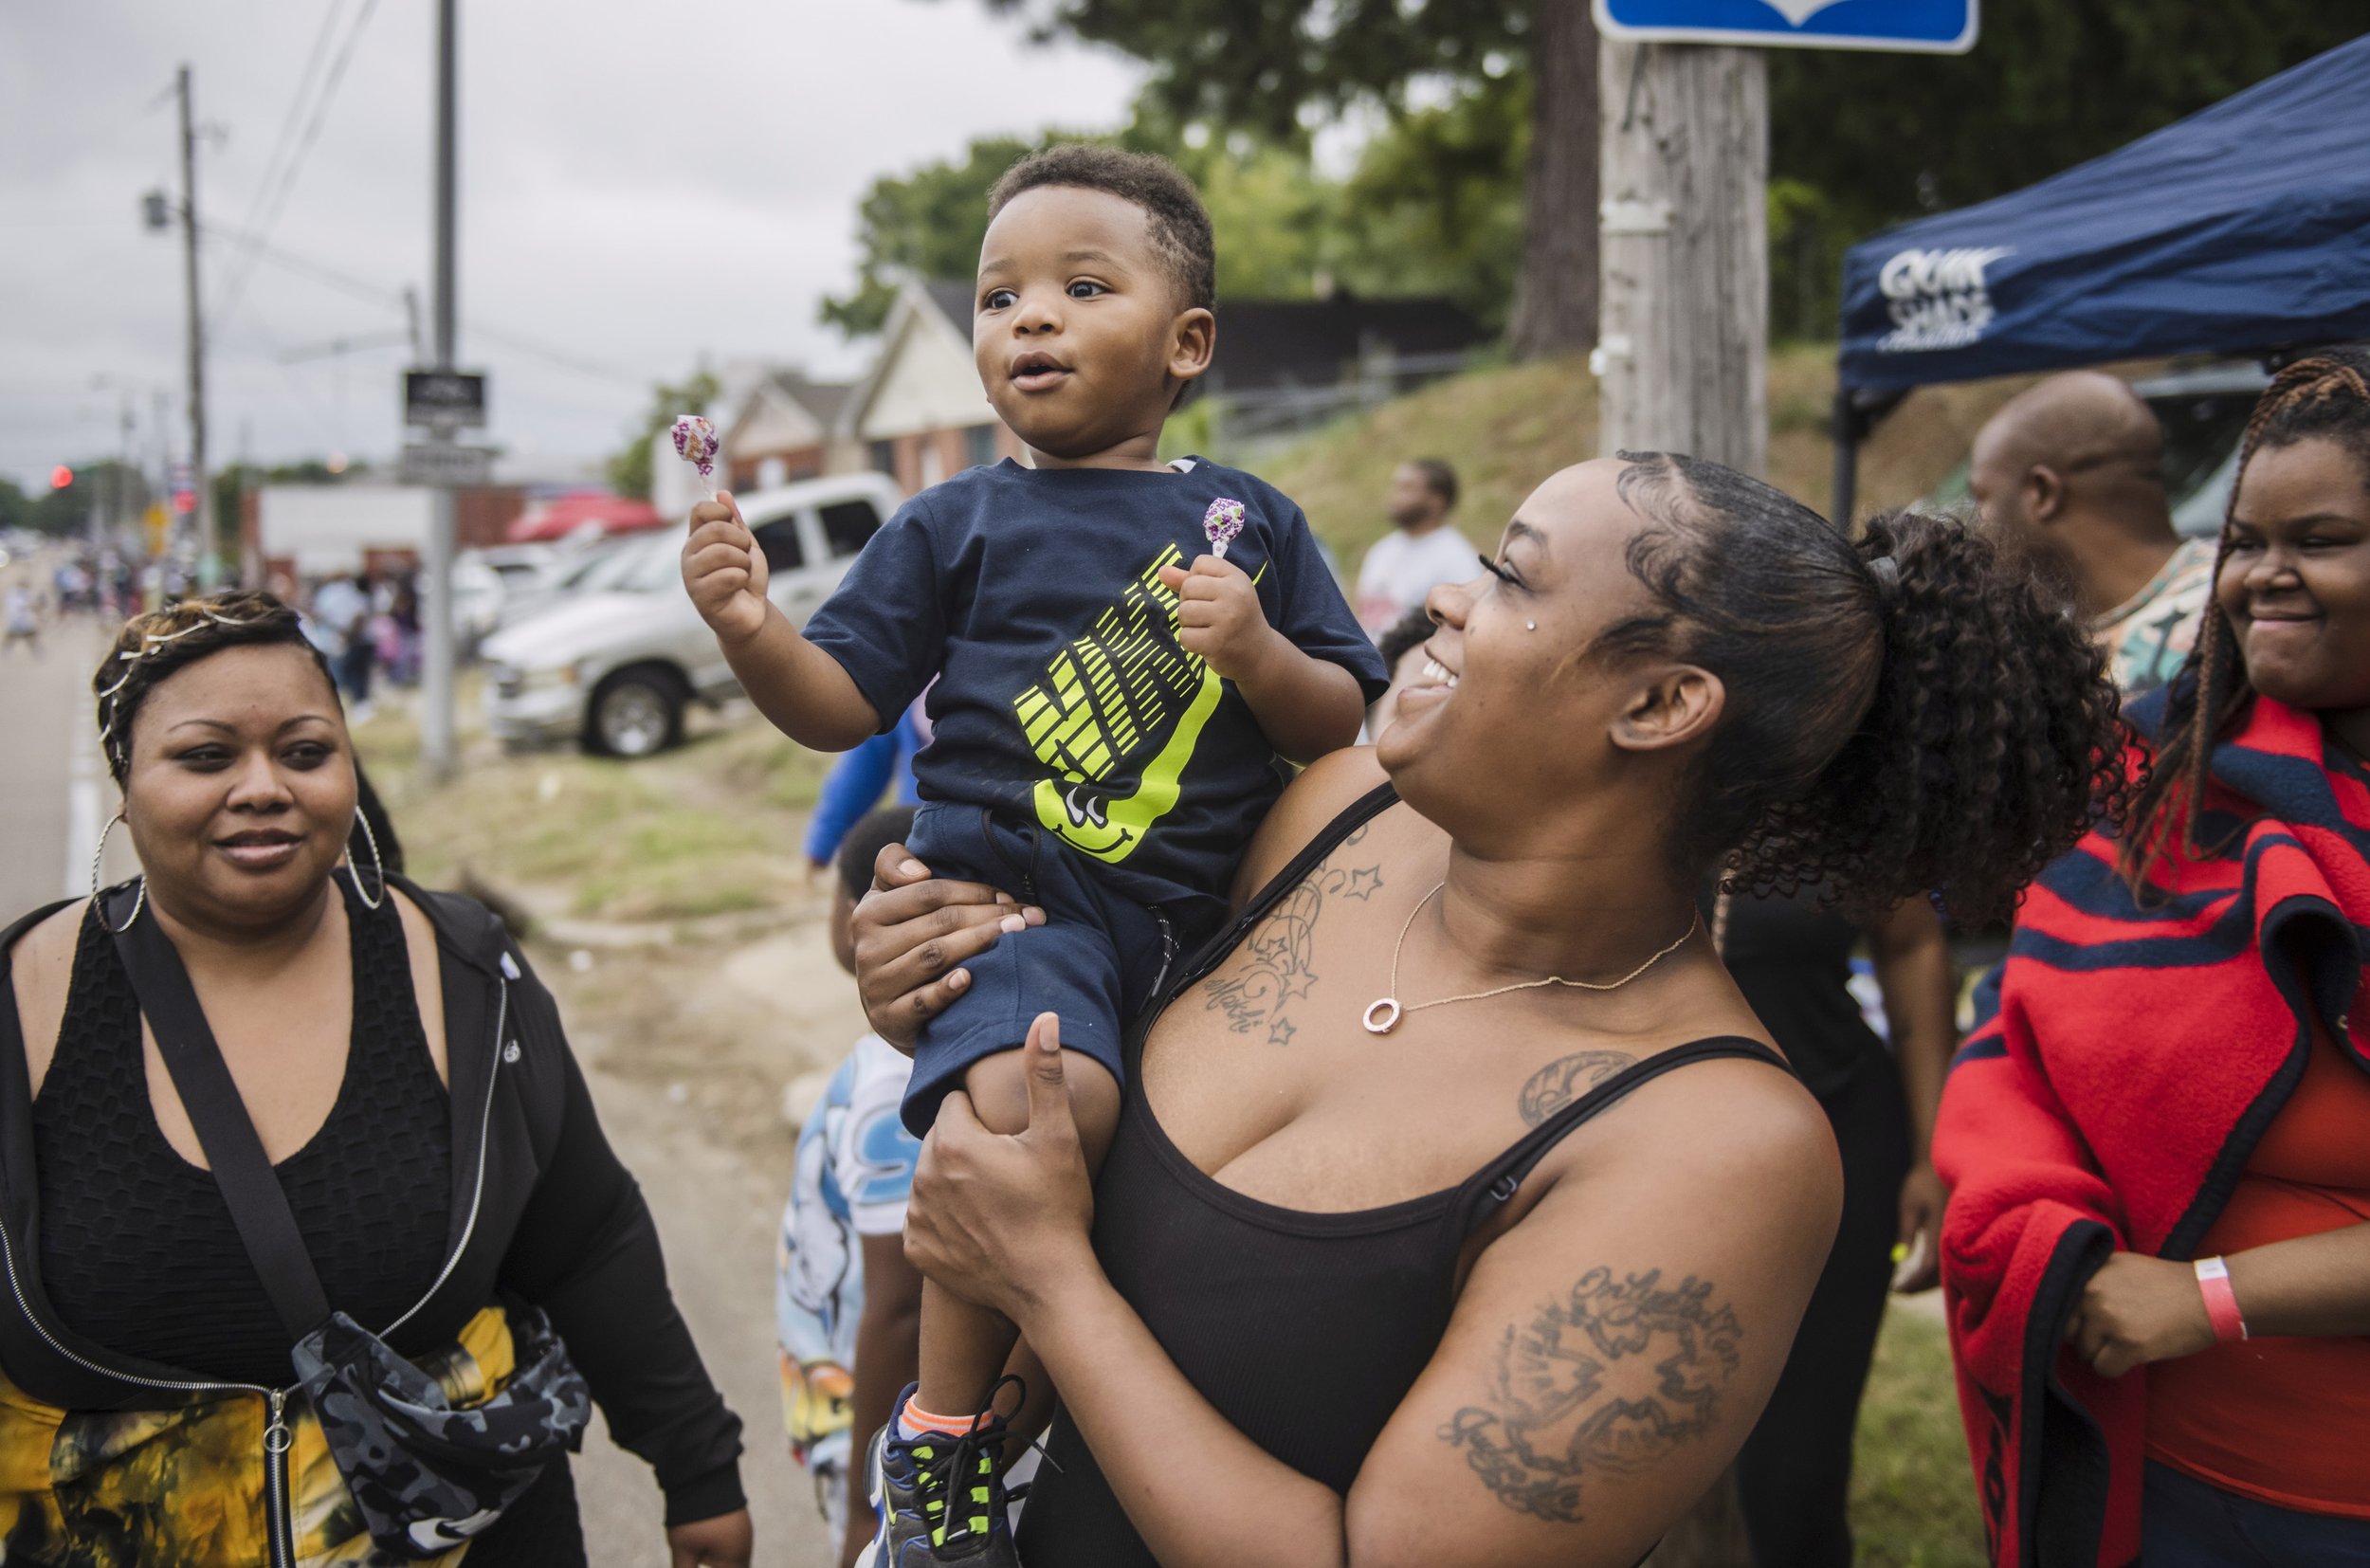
<point x="695" y="443"/>
<point x="1222" y="522"/>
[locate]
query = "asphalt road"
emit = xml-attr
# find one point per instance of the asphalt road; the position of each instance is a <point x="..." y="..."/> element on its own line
<point x="54" y="795"/>
<point x="716" y="1218"/>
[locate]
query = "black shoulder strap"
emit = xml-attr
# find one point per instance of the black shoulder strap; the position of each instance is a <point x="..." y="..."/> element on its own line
<point x="250" y="1189"/>
<point x="1495" y="1182"/>
<point x="1353" y="816"/>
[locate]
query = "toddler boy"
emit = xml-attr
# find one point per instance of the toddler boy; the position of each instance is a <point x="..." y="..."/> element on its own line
<point x="1111" y="703"/>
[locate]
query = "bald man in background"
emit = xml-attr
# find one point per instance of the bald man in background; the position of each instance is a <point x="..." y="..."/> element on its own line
<point x="2072" y="471"/>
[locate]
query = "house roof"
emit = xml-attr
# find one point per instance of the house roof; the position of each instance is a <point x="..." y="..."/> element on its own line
<point x="1268" y="343"/>
<point x="940" y="310"/>
<point x="823" y="399"/>
<point x="954" y="299"/>
<point x="784" y="412"/>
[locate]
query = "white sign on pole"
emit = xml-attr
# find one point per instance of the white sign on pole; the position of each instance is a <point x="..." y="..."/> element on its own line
<point x="437" y="462"/>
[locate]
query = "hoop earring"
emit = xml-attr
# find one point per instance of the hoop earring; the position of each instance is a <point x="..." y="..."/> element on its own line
<point x="97" y="857"/>
<point x="377" y="865"/>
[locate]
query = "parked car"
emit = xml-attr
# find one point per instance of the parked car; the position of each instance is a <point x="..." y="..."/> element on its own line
<point x="619" y="655"/>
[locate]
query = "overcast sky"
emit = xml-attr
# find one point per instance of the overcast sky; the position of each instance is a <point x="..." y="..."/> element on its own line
<point x="642" y="184"/>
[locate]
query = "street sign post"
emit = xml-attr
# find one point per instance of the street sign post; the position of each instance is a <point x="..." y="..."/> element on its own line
<point x="1917" y="27"/>
<point x="444" y="399"/>
<point x="443" y="464"/>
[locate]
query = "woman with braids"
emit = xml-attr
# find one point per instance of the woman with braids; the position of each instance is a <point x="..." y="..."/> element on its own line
<point x="2157" y="1244"/>
<point x="398" y="1084"/>
<point x="1461" y="1212"/>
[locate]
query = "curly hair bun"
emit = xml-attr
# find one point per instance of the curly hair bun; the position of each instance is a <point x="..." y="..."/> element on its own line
<point x="154" y="646"/>
<point x="1908" y="713"/>
<point x="1989" y="746"/>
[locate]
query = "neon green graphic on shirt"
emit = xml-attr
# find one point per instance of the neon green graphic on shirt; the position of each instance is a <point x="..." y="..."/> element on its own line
<point x="1122" y="689"/>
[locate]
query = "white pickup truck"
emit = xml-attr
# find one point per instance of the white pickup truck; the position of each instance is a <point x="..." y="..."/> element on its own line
<point x="616" y="659"/>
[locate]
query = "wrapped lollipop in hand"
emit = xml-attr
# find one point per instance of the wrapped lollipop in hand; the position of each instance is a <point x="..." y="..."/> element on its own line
<point x="1221" y="523"/>
<point x="696" y="444"/>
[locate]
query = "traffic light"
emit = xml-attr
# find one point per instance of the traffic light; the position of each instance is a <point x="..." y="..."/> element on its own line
<point x="156" y="211"/>
<point x="60" y="477"/>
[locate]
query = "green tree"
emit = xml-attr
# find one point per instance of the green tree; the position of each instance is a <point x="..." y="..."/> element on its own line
<point x="16" y="507"/>
<point x="629" y="465"/>
<point x="1433" y="207"/>
<point x="1435" y="203"/>
<point x="1273" y="217"/>
<point x="1281" y="67"/>
<point x="1870" y="139"/>
<point x="926" y="224"/>
<point x="2048" y="86"/>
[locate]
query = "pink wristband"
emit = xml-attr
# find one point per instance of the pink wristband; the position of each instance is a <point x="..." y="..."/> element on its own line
<point x="2222" y="1301"/>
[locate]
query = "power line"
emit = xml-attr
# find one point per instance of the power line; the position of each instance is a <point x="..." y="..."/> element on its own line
<point x="285" y="139"/>
<point x="362" y="288"/>
<point x="279" y="198"/>
<point x="558" y="357"/>
<point x="319" y="272"/>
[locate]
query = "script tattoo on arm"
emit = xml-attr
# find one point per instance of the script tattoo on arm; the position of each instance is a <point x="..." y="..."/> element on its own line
<point x="1608" y="1381"/>
<point x="1276" y="960"/>
<point x="1566" y="1078"/>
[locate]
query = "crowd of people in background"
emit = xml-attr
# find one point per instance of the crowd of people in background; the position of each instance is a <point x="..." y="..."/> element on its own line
<point x="367" y="624"/>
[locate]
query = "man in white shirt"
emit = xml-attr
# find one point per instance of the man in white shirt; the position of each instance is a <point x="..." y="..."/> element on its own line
<point x="1421" y="553"/>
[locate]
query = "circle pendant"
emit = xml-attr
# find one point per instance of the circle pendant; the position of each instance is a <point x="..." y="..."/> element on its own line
<point x="1382" y="1015"/>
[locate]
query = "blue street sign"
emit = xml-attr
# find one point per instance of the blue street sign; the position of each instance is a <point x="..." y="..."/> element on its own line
<point x="1920" y="26"/>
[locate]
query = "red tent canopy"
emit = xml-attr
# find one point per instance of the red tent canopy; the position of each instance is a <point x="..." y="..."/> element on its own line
<point x="561" y="516"/>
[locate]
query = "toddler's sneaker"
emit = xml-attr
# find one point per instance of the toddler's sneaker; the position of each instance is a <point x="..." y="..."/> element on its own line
<point x="939" y="1497"/>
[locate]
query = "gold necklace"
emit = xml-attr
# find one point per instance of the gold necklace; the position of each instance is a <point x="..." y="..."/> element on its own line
<point x="1384" y="1013"/>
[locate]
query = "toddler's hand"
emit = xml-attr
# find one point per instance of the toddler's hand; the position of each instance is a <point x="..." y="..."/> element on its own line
<point x="1218" y="615"/>
<point x="724" y="571"/>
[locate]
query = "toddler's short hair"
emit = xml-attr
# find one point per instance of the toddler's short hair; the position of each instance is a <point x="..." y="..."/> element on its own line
<point x="1180" y="225"/>
<point x="871" y="834"/>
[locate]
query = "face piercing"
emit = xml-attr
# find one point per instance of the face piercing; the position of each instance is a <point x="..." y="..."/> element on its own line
<point x="1530" y="626"/>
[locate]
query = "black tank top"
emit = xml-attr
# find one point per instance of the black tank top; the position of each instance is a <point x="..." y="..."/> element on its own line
<point x="137" y="1249"/>
<point x="1305" y="1330"/>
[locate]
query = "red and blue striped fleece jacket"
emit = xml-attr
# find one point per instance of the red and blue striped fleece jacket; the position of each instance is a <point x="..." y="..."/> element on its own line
<point x="2139" y="1049"/>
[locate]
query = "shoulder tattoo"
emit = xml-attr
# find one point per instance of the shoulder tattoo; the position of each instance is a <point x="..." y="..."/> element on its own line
<point x="1277" y="958"/>
<point x="1607" y="1381"/>
<point x="1566" y="1078"/>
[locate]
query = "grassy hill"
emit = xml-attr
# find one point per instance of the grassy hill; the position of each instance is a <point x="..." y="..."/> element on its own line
<point x="1506" y="428"/>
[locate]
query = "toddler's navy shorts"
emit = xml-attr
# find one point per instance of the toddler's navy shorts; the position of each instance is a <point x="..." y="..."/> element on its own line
<point x="1094" y="964"/>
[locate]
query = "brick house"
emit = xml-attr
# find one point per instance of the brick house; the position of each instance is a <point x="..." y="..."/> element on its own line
<point x="919" y="414"/>
<point x="787" y="427"/>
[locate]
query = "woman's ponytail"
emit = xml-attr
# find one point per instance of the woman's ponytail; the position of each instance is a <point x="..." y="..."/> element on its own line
<point x="1988" y="745"/>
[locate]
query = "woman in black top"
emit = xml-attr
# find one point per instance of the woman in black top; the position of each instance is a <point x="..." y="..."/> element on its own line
<point x="1792" y="958"/>
<point x="1422" y="1296"/>
<point x="409" y="1081"/>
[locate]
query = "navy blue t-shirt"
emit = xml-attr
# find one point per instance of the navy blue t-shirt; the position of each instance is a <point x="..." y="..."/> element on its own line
<point x="1063" y="697"/>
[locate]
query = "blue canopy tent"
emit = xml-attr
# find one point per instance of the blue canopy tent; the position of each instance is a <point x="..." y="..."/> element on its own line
<point x="2242" y="229"/>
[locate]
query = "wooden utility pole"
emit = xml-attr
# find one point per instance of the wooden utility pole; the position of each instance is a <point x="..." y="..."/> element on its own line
<point x="211" y="553"/>
<point x="1682" y="350"/>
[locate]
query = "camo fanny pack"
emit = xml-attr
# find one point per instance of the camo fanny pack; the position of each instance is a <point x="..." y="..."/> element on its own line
<point x="428" y="1474"/>
<point x="425" y="1474"/>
